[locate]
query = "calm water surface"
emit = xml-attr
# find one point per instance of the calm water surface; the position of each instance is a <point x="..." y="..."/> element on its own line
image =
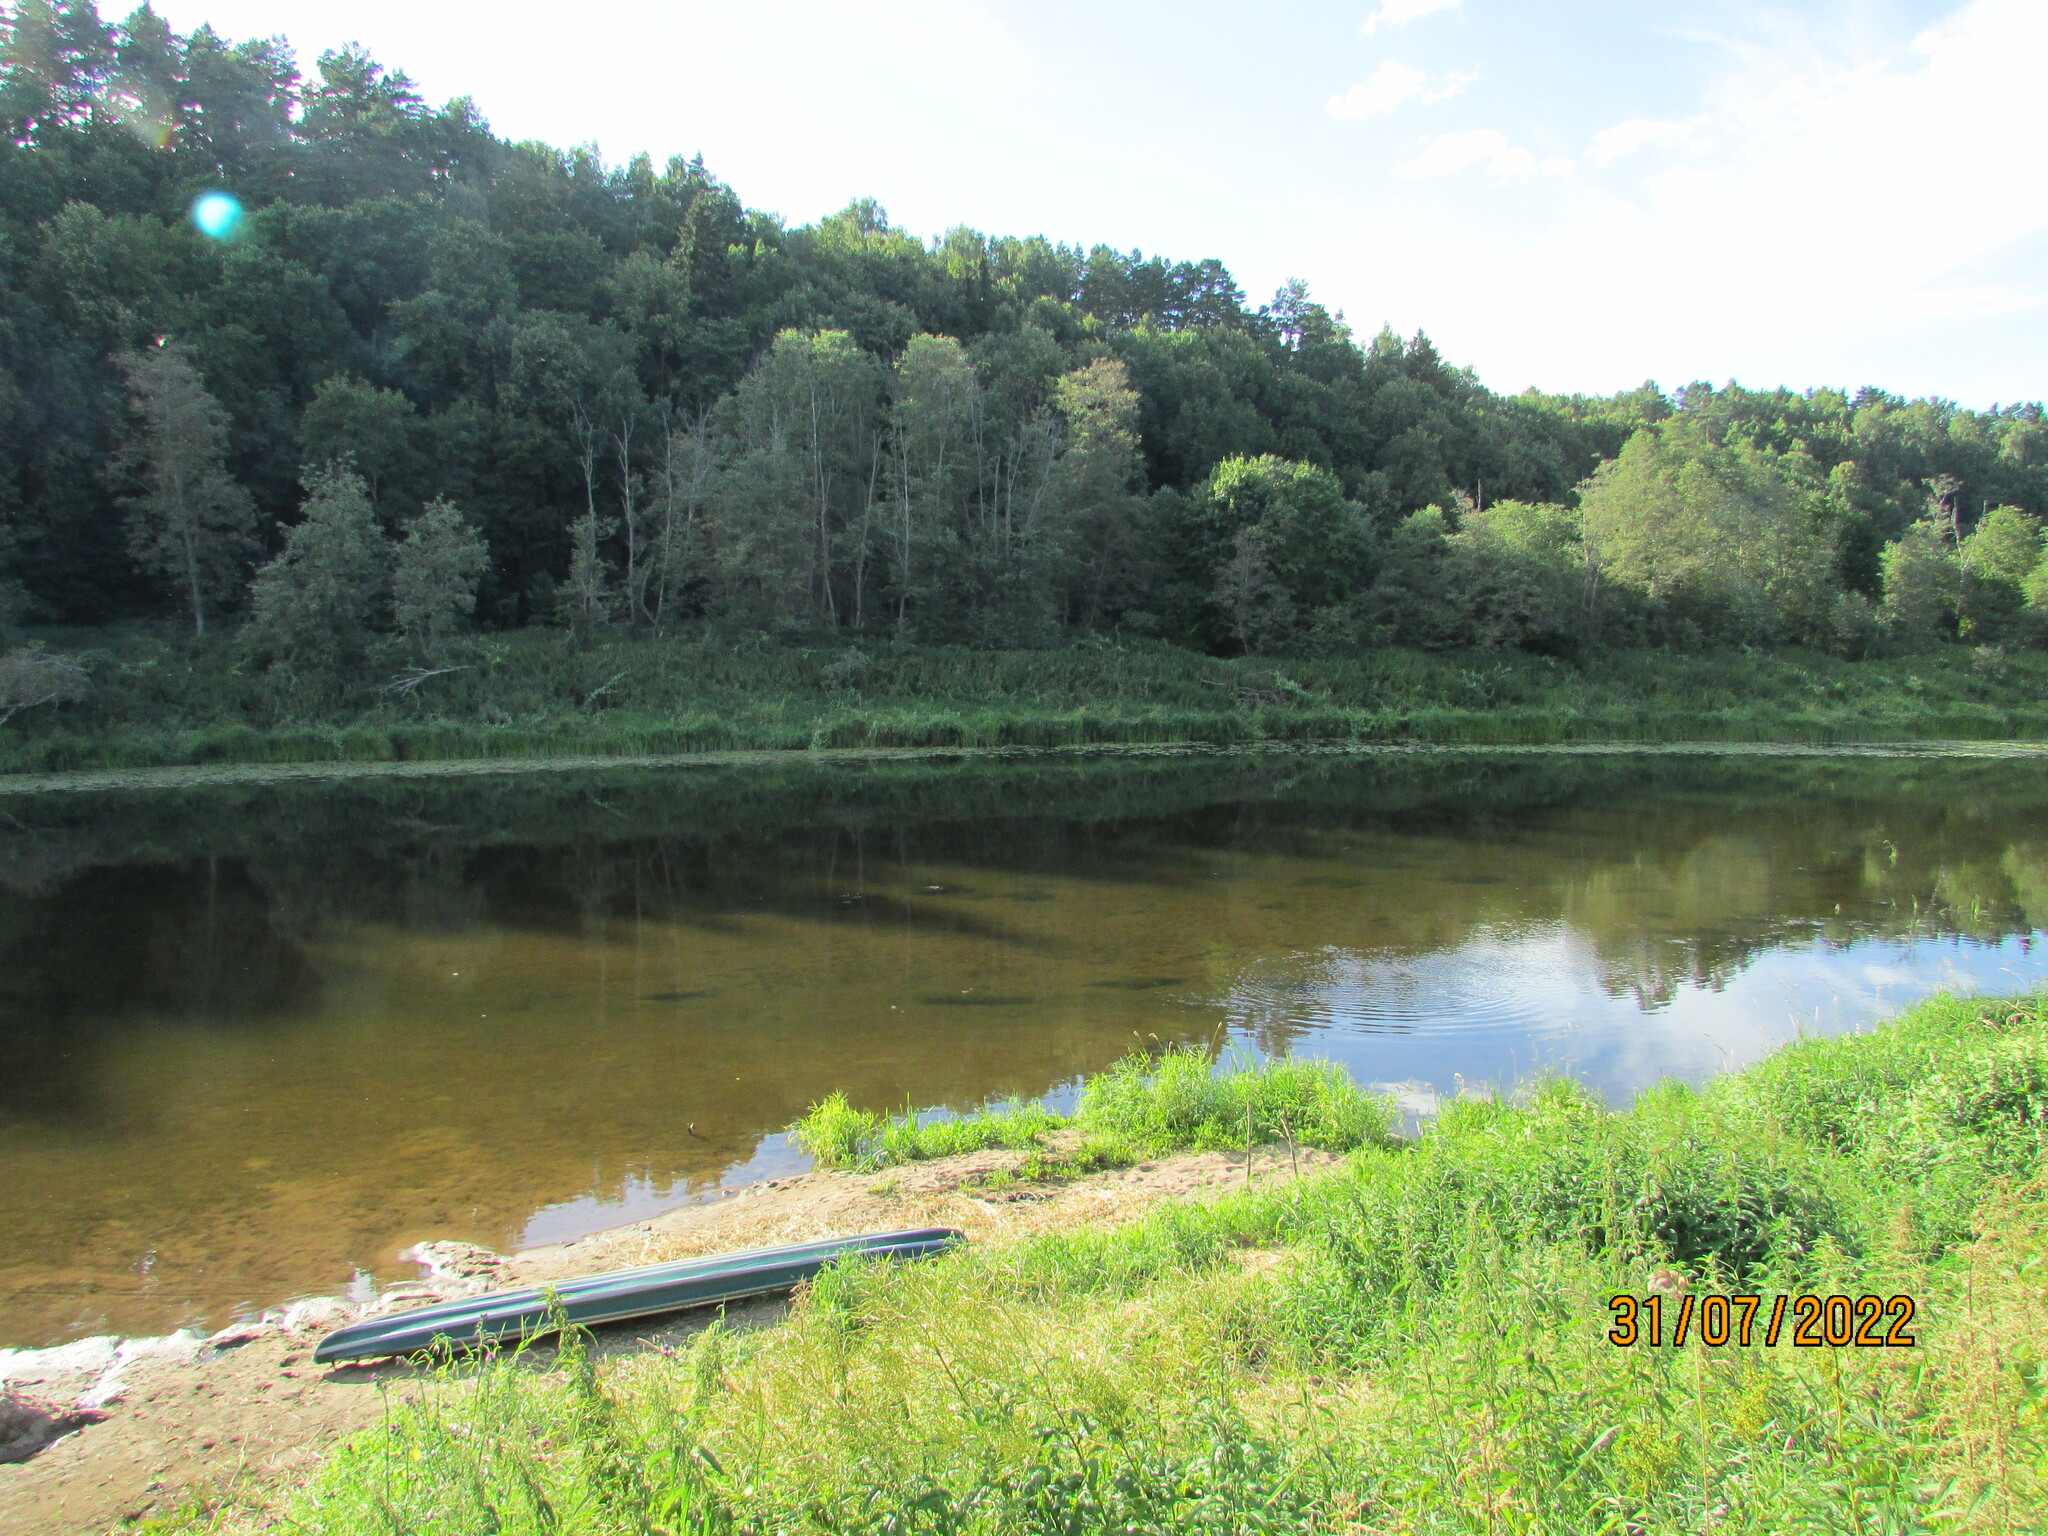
<point x="255" y="1041"/>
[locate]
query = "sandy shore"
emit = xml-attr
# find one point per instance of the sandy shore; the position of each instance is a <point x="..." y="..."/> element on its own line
<point x="162" y="1422"/>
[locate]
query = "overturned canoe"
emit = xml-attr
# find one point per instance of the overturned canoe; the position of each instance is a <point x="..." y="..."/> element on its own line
<point x="622" y="1294"/>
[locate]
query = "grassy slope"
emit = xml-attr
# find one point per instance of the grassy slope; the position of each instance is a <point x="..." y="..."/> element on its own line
<point x="158" y="701"/>
<point x="1412" y="1344"/>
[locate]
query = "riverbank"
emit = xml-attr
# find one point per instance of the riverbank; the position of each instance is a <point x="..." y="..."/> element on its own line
<point x="213" y="1436"/>
<point x="1413" y="1338"/>
<point x="159" y="701"/>
<point x="256" y="775"/>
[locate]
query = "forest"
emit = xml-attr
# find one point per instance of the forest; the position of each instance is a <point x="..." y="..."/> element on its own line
<point x="301" y="366"/>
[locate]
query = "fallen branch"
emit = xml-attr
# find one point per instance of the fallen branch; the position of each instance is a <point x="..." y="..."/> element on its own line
<point x="35" y="676"/>
<point x="407" y="683"/>
<point x="602" y="689"/>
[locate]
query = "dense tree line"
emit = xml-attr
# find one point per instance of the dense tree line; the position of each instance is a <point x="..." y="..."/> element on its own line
<point x="431" y="378"/>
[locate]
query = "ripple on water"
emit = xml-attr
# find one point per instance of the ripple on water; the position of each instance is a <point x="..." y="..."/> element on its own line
<point x="1501" y="982"/>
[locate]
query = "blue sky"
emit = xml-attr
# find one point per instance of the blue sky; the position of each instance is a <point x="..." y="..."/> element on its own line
<point x="1575" y="196"/>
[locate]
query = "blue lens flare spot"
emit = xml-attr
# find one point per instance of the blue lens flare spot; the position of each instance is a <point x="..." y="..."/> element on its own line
<point x="217" y="214"/>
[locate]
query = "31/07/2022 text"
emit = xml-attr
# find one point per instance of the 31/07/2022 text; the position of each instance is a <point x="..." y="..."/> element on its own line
<point x="1818" y="1322"/>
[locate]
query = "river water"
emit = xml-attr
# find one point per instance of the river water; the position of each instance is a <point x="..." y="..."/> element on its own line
<point x="256" y="1039"/>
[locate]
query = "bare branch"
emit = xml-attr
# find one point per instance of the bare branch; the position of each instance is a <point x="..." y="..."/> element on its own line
<point x="406" y="683"/>
<point x="35" y="676"/>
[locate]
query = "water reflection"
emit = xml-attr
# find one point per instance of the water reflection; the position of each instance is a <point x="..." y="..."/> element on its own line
<point x="252" y="1040"/>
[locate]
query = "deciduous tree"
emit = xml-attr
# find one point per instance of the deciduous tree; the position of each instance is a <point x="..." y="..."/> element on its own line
<point x="318" y="604"/>
<point x="189" y="521"/>
<point x="435" y="574"/>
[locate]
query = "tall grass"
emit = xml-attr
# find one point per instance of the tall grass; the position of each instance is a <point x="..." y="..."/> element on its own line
<point x="1414" y="1343"/>
<point x="159" y="700"/>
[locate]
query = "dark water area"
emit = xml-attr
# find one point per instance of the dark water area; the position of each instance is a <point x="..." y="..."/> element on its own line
<point x="256" y="1040"/>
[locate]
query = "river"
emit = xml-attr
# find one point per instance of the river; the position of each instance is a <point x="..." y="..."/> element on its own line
<point x="257" y="1038"/>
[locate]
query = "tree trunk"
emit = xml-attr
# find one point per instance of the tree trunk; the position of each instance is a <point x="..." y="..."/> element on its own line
<point x="192" y="585"/>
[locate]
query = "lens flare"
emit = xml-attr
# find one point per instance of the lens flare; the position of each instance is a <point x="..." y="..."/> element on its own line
<point x="217" y="214"/>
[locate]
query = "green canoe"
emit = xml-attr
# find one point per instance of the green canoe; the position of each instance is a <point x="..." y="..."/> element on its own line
<point x="622" y="1294"/>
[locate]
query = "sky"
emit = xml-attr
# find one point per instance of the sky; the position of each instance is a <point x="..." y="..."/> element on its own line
<point x="1574" y="196"/>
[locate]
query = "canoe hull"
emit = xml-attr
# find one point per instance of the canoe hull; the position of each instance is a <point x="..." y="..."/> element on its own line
<point x="622" y="1295"/>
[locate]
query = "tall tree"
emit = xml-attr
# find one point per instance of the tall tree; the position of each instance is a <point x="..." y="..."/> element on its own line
<point x="189" y="522"/>
<point x="1095" y="486"/>
<point x="1922" y="584"/>
<point x="684" y="472"/>
<point x="1298" y="547"/>
<point x="587" y="598"/>
<point x="374" y="429"/>
<point x="1723" y="538"/>
<point x="933" y="413"/>
<point x="54" y="57"/>
<point x="435" y="573"/>
<point x="319" y="603"/>
<point x="798" y="489"/>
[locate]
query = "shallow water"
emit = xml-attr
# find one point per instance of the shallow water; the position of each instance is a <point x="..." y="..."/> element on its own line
<point x="255" y="1039"/>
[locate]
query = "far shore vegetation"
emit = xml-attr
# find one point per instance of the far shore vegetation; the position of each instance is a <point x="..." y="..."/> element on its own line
<point x="334" y="426"/>
<point x="1414" y="1341"/>
<point x="141" y="698"/>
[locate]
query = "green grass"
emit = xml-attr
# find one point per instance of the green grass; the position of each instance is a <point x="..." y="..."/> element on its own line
<point x="1414" y="1343"/>
<point x="1140" y="1107"/>
<point x="159" y="701"/>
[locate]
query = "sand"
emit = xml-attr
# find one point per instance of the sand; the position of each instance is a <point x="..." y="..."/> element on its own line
<point x="145" y="1427"/>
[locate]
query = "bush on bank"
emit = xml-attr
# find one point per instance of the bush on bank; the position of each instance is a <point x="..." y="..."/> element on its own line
<point x="1415" y="1342"/>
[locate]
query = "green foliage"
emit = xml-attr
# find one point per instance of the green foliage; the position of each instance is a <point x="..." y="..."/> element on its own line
<point x="1922" y="586"/>
<point x="1521" y="578"/>
<point x="316" y="605"/>
<point x="1998" y="559"/>
<point x="1177" y="1102"/>
<point x="1417" y="1343"/>
<point x="434" y="575"/>
<point x="527" y="695"/>
<point x="188" y="521"/>
<point x="1139" y="1107"/>
<point x="1720" y="537"/>
<point x="374" y="431"/>
<point x="1300" y="553"/>
<point x="840" y="1136"/>
<point x="32" y="677"/>
<point x="2004" y="547"/>
<point x="839" y="433"/>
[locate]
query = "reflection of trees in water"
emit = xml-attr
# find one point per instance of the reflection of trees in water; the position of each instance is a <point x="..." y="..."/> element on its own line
<point x="1677" y="871"/>
<point x="1699" y="916"/>
<point x="36" y="860"/>
<point x="112" y="945"/>
<point x="204" y="909"/>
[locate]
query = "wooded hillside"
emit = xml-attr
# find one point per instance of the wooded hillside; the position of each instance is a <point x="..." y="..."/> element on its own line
<point x="600" y="395"/>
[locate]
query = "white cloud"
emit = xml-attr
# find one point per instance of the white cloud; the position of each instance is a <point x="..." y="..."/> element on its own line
<point x="1390" y="85"/>
<point x="1454" y="152"/>
<point x="1625" y="138"/>
<point x="1395" y="13"/>
<point x="1833" y="211"/>
<point x="1450" y="86"/>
